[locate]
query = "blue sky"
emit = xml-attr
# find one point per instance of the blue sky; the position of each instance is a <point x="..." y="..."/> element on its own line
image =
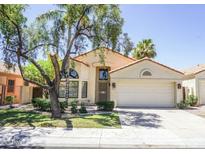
<point x="178" y="31"/>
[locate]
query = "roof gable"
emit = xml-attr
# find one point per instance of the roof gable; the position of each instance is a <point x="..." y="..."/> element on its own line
<point x="110" y="58"/>
<point x="14" y="70"/>
<point x="133" y="70"/>
<point x="144" y="59"/>
<point x="194" y="70"/>
<point x="105" y="49"/>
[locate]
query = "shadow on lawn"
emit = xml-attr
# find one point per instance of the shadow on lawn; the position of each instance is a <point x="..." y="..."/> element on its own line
<point x="136" y="119"/>
<point x="20" y="137"/>
<point x="15" y="117"/>
<point x="19" y="118"/>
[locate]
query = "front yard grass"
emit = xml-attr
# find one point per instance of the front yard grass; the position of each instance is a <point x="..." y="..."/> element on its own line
<point x="21" y="118"/>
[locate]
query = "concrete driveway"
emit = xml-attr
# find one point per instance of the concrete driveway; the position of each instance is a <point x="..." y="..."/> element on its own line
<point x="165" y="127"/>
<point x="141" y="128"/>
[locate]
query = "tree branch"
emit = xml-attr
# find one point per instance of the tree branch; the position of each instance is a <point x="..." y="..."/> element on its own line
<point x="26" y="79"/>
<point x="81" y="17"/>
<point x="38" y="67"/>
<point x="71" y="41"/>
<point x="65" y="59"/>
<point x="57" y="79"/>
<point x="37" y="46"/>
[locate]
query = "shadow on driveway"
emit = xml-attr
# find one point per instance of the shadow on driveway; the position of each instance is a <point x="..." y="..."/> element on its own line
<point x="138" y="118"/>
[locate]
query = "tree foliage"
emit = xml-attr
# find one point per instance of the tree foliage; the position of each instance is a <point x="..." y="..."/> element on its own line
<point x="63" y="31"/>
<point x="31" y="72"/>
<point x="125" y="45"/>
<point x="145" y="48"/>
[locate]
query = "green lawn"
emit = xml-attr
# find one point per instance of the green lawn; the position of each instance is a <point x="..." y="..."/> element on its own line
<point x="21" y="118"/>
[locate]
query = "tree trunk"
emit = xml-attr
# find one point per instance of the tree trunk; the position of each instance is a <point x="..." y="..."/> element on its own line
<point x="55" y="105"/>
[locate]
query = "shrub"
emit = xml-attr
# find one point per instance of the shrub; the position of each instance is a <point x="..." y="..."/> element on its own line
<point x="45" y="104"/>
<point x="82" y="108"/>
<point x="35" y="101"/>
<point x="105" y="105"/>
<point x="74" y="107"/>
<point x="182" y="104"/>
<point x="63" y="105"/>
<point x="192" y="100"/>
<point x="9" y="100"/>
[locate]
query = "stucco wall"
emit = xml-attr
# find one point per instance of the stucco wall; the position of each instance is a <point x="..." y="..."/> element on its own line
<point x="190" y="85"/>
<point x="195" y="85"/>
<point x="112" y="60"/>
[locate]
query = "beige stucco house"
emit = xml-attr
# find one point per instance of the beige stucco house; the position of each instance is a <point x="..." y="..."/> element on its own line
<point x="128" y="82"/>
<point x="194" y="82"/>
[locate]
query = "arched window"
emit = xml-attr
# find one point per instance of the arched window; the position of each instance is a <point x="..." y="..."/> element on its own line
<point x="145" y="73"/>
<point x="73" y="74"/>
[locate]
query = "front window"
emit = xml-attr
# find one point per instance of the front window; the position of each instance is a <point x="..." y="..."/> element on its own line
<point x="73" y="90"/>
<point x="103" y="74"/>
<point x="10" y="86"/>
<point x="84" y="89"/>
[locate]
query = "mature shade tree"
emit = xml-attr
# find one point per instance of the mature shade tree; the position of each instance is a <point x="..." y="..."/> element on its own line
<point x="145" y="48"/>
<point x="65" y="30"/>
<point x="125" y="45"/>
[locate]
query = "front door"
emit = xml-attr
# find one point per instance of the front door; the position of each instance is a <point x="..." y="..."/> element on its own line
<point x="102" y="84"/>
<point x="103" y="92"/>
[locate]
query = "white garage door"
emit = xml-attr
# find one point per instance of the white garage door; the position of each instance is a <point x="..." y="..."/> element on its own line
<point x="144" y="93"/>
<point x="202" y="92"/>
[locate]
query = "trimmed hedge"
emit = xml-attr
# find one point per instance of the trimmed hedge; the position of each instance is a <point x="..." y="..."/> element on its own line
<point x="105" y="105"/>
<point x="45" y="104"/>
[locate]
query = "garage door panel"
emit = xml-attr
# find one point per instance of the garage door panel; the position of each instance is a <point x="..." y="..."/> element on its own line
<point x="145" y="94"/>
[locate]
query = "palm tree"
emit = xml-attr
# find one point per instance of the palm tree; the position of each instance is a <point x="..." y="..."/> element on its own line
<point x="145" y="48"/>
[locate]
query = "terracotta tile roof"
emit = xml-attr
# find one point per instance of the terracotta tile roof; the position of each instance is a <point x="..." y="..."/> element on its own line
<point x="107" y="49"/>
<point x="138" y="61"/>
<point x="3" y="69"/>
<point x="79" y="61"/>
<point x="195" y="70"/>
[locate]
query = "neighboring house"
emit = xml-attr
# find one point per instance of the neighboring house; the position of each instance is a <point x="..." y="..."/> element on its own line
<point x="130" y="83"/>
<point x="194" y="82"/>
<point x="12" y="84"/>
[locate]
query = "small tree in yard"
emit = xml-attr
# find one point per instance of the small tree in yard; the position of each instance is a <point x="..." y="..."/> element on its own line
<point x="66" y="30"/>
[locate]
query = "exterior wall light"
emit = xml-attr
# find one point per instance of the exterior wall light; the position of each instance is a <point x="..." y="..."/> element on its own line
<point x="179" y="86"/>
<point x="113" y="85"/>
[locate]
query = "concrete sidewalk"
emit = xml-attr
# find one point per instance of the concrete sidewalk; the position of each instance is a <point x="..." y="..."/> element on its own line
<point x="93" y="138"/>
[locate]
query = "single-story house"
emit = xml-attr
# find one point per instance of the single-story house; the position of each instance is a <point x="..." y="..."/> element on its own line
<point x="12" y="84"/>
<point x="128" y="82"/>
<point x="194" y="82"/>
